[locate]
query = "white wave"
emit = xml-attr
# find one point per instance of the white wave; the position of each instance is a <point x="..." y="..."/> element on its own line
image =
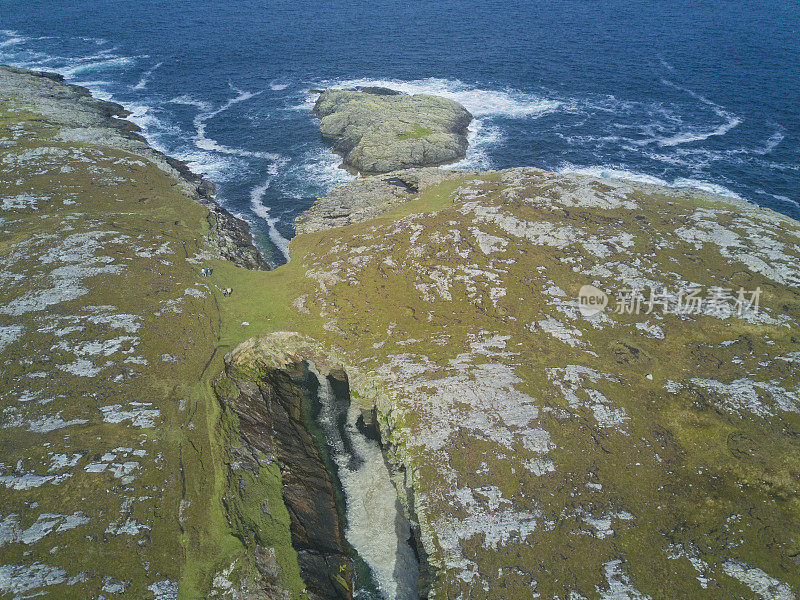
<point x="95" y="40"/>
<point x="773" y="142"/>
<point x="303" y="102"/>
<point x="99" y="65"/>
<point x="665" y="64"/>
<point x="206" y="112"/>
<point x="278" y="85"/>
<point x="153" y="127"/>
<point x="480" y="102"/>
<point x="184" y="100"/>
<point x="616" y="172"/>
<point x="143" y="81"/>
<point x="262" y="210"/>
<point x="376" y="528"/>
<point x="317" y="173"/>
<point x="209" y="164"/>
<point x="779" y="197"/>
<point x="786" y="199"/>
<point x="98" y="93"/>
<point x="713" y="188"/>
<point x="699" y="135"/>
<point x="611" y="172"/>
<point x="481" y="138"/>
<point x="702" y="158"/>
<point x="12" y="41"/>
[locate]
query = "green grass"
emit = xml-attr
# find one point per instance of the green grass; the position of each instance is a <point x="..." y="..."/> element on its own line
<point x="682" y="467"/>
<point x="417" y="131"/>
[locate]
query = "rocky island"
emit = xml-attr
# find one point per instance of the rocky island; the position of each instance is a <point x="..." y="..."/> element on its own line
<point x="420" y="404"/>
<point x="377" y="130"/>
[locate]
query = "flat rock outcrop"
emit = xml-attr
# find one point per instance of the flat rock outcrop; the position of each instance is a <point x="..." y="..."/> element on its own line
<point x="369" y="197"/>
<point x="377" y="130"/>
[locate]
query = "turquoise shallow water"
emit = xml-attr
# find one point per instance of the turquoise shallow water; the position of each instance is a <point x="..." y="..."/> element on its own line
<point x="683" y="93"/>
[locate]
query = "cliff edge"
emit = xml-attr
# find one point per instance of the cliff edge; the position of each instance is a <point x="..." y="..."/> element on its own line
<point x="590" y="385"/>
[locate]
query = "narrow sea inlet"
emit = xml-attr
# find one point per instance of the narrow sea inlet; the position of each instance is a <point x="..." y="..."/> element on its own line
<point x="376" y="526"/>
<point x="391" y="301"/>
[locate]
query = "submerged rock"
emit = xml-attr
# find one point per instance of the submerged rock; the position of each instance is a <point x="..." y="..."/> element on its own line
<point x="377" y="130"/>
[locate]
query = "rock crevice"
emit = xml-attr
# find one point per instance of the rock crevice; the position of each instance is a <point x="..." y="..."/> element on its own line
<point x="272" y="409"/>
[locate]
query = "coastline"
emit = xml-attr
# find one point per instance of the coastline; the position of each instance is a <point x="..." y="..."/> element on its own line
<point x="232" y="235"/>
<point x="341" y="288"/>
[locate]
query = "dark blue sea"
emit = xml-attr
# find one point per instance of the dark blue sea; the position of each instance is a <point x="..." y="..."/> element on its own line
<point x="701" y="93"/>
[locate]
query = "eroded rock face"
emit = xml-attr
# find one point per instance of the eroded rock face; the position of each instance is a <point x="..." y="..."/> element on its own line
<point x="376" y="131"/>
<point x="648" y="453"/>
<point x="272" y="405"/>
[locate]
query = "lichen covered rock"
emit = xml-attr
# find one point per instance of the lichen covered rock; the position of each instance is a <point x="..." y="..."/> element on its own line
<point x="647" y="450"/>
<point x="369" y="197"/>
<point x="376" y="131"/>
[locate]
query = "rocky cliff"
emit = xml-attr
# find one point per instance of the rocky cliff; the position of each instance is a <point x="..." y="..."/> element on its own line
<point x="272" y="399"/>
<point x="378" y="130"/>
<point x="80" y="118"/>
<point x="585" y="388"/>
<point x="641" y="446"/>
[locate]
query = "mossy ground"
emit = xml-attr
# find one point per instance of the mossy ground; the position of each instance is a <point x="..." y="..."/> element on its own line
<point x="545" y="447"/>
<point x="417" y="131"/>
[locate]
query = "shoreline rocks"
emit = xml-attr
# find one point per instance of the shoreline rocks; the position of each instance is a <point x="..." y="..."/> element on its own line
<point x="87" y="119"/>
<point x="369" y="197"/>
<point x="378" y="130"/>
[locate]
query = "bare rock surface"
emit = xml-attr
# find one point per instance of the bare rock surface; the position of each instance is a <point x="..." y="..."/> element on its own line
<point x="369" y="197"/>
<point x="377" y="130"/>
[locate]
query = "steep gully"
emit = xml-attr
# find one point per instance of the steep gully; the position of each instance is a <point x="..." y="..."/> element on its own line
<point x="348" y="527"/>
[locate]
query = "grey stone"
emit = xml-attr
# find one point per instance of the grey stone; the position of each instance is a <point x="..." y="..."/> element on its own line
<point x="377" y="130"/>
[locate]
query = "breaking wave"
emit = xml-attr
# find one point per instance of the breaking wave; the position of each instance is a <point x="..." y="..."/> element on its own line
<point x="617" y="172"/>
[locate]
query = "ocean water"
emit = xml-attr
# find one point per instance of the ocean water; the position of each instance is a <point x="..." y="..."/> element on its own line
<point x="694" y="93"/>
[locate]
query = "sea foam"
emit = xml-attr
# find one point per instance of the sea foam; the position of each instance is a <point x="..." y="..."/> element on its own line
<point x="261" y="210"/>
<point x="616" y="172"/>
<point x="484" y="104"/>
